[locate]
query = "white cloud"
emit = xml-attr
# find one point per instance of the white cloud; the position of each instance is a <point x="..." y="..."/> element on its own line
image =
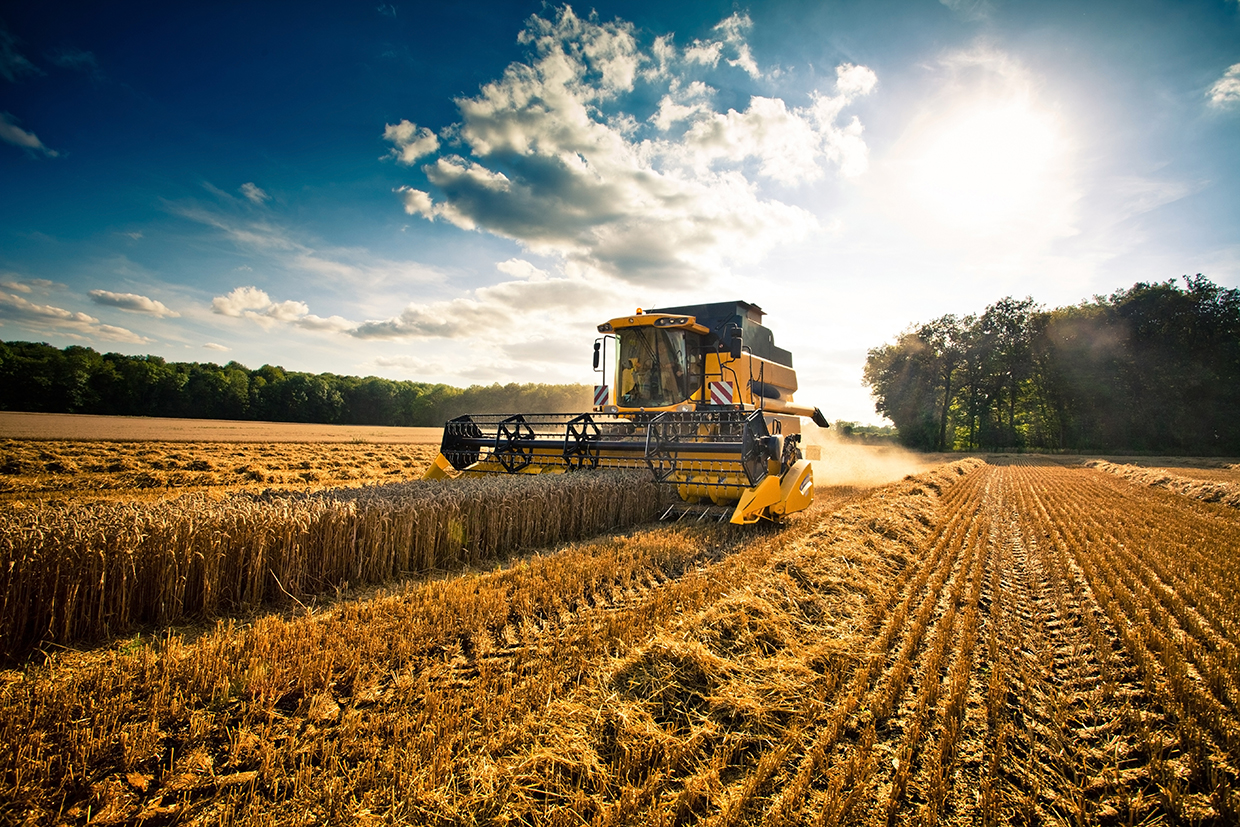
<point x="683" y="104"/>
<point x="734" y="29"/>
<point x="329" y="324"/>
<point x="853" y="81"/>
<point x="417" y="202"/>
<point x="42" y="316"/>
<point x="521" y="269"/>
<point x="663" y="53"/>
<point x="552" y="163"/>
<point x="498" y="312"/>
<point x="214" y="346"/>
<point x="788" y="144"/>
<point x="21" y="285"/>
<point x="608" y="50"/>
<point x="254" y="304"/>
<point x="707" y="53"/>
<point x="412" y="142"/>
<point x="253" y="192"/>
<point x="240" y="301"/>
<point x="13" y="134"/>
<point x="132" y="302"/>
<point x="1225" y="91"/>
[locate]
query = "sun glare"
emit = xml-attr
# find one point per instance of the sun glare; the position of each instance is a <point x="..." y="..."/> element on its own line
<point x="985" y="167"/>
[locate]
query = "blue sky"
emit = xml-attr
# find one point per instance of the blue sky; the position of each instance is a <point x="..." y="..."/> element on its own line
<point x="461" y="192"/>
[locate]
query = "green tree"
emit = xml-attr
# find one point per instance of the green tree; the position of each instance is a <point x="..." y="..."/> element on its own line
<point x="903" y="378"/>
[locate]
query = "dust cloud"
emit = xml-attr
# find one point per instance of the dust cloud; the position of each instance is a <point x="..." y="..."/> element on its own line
<point x="844" y="462"/>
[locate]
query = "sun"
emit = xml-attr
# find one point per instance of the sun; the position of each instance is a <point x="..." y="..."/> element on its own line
<point x="985" y="166"/>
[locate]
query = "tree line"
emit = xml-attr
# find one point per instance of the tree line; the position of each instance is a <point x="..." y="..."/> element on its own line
<point x="41" y="378"/>
<point x="1155" y="367"/>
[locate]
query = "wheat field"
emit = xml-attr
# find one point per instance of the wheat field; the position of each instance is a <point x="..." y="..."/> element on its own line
<point x="73" y="571"/>
<point x="158" y="469"/>
<point x="1022" y="643"/>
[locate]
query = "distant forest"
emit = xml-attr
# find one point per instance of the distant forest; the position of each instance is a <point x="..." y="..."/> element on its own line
<point x="38" y="377"/>
<point x="1152" y="368"/>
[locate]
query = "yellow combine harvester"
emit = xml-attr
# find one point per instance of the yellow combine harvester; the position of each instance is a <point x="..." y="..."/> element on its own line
<point x="701" y="396"/>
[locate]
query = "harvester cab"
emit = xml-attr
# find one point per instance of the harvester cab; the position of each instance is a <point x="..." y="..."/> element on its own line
<point x="698" y="395"/>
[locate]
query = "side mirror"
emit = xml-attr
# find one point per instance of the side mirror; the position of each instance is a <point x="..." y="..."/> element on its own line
<point x="737" y="345"/>
<point x="597" y="346"/>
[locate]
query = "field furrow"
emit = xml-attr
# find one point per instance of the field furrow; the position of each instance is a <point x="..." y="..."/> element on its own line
<point x="1058" y="720"/>
<point x="1172" y="755"/>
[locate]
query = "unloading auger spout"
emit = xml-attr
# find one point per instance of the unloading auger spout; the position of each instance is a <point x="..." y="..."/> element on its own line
<point x="701" y="398"/>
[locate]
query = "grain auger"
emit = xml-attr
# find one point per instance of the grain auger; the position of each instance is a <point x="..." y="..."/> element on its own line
<point x="701" y="397"/>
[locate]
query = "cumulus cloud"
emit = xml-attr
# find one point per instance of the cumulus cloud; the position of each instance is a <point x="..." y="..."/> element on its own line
<point x="852" y="81"/>
<point x="1225" y="92"/>
<point x="255" y="193"/>
<point x="705" y="53"/>
<point x="788" y="145"/>
<point x="42" y="316"/>
<point x="13" y="134"/>
<point x="412" y="142"/>
<point x="683" y="104"/>
<point x="550" y="160"/>
<point x="132" y="302"/>
<point x="241" y="300"/>
<point x="733" y="31"/>
<point x="254" y="304"/>
<point x="521" y="269"/>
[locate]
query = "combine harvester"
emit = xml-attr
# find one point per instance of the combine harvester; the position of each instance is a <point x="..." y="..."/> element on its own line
<point x="702" y="397"/>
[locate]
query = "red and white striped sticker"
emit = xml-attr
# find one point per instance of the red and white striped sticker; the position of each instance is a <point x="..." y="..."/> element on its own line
<point x="721" y="393"/>
<point x="600" y="394"/>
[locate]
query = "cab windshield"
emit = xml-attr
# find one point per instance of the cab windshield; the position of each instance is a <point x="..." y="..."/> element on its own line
<point x="653" y="367"/>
